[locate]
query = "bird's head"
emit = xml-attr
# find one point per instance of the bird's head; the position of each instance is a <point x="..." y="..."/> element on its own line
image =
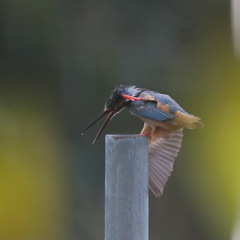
<point x="120" y="96"/>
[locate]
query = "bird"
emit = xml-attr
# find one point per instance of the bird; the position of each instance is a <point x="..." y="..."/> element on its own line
<point x="164" y="121"/>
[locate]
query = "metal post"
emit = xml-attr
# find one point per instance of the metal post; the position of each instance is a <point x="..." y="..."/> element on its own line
<point x="126" y="187"/>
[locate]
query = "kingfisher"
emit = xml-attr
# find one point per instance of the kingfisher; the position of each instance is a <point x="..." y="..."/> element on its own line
<point x="164" y="121"/>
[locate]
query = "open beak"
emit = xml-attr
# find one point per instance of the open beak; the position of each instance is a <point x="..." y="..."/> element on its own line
<point x="103" y="113"/>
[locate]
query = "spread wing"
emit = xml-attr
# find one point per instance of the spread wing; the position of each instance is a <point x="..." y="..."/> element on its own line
<point x="164" y="148"/>
<point x="162" y="154"/>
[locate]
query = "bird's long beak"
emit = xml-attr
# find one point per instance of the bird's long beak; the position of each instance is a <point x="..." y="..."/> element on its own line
<point x="103" y="113"/>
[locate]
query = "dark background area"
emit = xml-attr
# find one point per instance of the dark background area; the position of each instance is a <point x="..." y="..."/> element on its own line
<point x="59" y="60"/>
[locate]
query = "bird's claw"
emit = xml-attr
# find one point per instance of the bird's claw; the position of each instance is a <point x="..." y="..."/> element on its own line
<point x="147" y="134"/>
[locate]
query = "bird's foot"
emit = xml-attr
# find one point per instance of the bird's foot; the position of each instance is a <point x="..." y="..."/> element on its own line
<point x="147" y="134"/>
<point x="131" y="98"/>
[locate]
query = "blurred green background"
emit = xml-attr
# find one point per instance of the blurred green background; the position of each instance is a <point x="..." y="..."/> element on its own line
<point x="59" y="60"/>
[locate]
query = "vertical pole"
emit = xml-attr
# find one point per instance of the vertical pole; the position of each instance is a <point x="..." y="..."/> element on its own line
<point x="126" y="187"/>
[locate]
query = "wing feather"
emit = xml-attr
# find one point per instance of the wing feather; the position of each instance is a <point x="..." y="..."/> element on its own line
<point x="164" y="99"/>
<point x="158" y="179"/>
<point x="148" y="107"/>
<point x="162" y="154"/>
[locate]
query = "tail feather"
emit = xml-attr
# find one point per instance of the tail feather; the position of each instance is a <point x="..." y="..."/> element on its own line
<point x="187" y="120"/>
